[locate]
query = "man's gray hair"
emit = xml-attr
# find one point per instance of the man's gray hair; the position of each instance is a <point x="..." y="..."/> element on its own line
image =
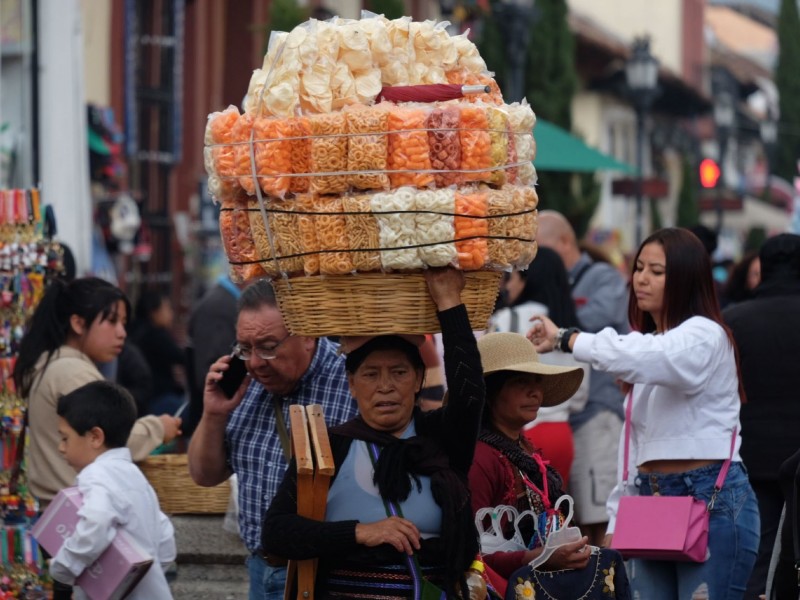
<point x="257" y="294"/>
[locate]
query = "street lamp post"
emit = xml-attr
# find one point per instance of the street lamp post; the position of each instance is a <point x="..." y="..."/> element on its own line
<point x="641" y="75"/>
<point x="724" y="118"/>
<point x="769" y="135"/>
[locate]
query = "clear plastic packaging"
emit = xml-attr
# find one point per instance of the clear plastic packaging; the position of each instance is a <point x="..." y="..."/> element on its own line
<point x="397" y="227"/>
<point x="435" y="228"/>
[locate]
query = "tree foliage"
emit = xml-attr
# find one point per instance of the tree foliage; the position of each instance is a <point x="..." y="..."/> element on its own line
<point x="391" y="9"/>
<point x="285" y="15"/>
<point x="550" y="82"/>
<point x="787" y="79"/>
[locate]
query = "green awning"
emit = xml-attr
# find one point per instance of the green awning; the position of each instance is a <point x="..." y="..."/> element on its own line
<point x="559" y="150"/>
<point x="97" y="144"/>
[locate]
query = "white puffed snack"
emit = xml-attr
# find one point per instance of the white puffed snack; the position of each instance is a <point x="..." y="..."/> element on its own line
<point x="397" y="230"/>
<point x="436" y="229"/>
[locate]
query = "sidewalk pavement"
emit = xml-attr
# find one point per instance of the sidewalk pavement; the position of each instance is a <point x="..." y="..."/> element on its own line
<point x="210" y="560"/>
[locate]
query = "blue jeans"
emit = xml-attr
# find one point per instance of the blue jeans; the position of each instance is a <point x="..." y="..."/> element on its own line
<point x="734" y="531"/>
<point x="266" y="582"/>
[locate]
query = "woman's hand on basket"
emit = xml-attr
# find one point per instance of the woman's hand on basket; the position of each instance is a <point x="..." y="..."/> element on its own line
<point x="542" y="333"/>
<point x="215" y="402"/>
<point x="445" y="285"/>
<point x="396" y="531"/>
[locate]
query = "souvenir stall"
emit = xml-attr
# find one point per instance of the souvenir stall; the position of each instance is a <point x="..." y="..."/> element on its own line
<point x="28" y="259"/>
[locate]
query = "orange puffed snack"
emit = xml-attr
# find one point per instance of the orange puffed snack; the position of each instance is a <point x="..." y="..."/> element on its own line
<point x="332" y="235"/>
<point x="475" y="144"/>
<point x="308" y="233"/>
<point x="301" y="153"/>
<point x="283" y="230"/>
<point x="328" y="152"/>
<point x="408" y="148"/>
<point x="234" y="228"/>
<point x="273" y="154"/>
<point x="367" y="147"/>
<point x="464" y="77"/>
<point x="471" y="232"/>
<point x="444" y="145"/>
<point x="241" y="136"/>
<point x="218" y="140"/>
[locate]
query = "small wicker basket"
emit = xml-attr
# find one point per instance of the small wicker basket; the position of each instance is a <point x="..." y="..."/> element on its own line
<point x="375" y="303"/>
<point x="177" y="493"/>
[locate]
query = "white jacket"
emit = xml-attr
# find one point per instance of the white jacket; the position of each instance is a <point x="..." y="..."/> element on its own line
<point x="116" y="495"/>
<point x="685" y="395"/>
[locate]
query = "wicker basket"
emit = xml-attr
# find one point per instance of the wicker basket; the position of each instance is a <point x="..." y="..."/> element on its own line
<point x="177" y="493"/>
<point x="375" y="303"/>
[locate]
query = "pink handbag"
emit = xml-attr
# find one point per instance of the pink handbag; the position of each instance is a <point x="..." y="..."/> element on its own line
<point x="663" y="527"/>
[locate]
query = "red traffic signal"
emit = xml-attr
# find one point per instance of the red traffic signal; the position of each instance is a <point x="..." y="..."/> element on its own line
<point x="709" y="173"/>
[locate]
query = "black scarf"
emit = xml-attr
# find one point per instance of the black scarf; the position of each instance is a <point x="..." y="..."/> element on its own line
<point x="402" y="461"/>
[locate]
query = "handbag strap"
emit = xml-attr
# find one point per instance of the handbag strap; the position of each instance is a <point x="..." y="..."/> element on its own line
<point x="393" y="510"/>
<point x="723" y="472"/>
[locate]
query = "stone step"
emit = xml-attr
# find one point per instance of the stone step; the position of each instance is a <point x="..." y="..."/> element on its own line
<point x="201" y="539"/>
<point x="210" y="582"/>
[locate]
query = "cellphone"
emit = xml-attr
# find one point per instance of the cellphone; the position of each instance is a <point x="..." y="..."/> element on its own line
<point x="233" y="377"/>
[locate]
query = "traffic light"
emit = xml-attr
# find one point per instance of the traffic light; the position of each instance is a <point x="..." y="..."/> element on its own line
<point x="709" y="173"/>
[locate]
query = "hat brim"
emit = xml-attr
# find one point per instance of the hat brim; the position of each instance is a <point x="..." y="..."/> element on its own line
<point x="559" y="384"/>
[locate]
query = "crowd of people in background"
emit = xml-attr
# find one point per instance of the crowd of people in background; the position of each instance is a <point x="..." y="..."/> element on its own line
<point x="703" y="366"/>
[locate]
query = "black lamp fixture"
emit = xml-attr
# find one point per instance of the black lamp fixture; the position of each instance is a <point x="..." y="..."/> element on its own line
<point x="641" y="75"/>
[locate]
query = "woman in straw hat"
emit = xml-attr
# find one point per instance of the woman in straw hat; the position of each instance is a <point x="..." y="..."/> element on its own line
<point x="684" y="394"/>
<point x="508" y="471"/>
<point x="393" y="459"/>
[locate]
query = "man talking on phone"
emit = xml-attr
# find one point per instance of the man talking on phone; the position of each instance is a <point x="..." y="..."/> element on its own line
<point x="244" y="431"/>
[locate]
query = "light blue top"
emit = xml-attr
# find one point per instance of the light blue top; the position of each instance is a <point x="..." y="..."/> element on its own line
<point x="354" y="497"/>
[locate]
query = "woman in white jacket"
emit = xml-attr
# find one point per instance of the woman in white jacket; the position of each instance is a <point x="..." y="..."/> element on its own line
<point x="680" y="365"/>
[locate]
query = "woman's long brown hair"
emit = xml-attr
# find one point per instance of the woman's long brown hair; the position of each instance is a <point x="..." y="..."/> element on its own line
<point x="688" y="287"/>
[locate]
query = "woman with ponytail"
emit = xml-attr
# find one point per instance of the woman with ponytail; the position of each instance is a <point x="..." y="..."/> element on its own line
<point x="75" y="326"/>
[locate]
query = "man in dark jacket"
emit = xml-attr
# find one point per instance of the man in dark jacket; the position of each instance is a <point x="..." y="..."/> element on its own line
<point x="767" y="333"/>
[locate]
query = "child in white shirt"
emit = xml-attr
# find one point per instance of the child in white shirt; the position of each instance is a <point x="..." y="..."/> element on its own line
<point x="94" y="423"/>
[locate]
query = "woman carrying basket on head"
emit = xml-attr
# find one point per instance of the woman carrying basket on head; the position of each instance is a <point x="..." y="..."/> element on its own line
<point x="394" y="455"/>
<point x="680" y="367"/>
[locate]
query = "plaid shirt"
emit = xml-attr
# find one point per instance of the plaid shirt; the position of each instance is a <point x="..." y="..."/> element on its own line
<point x="252" y="442"/>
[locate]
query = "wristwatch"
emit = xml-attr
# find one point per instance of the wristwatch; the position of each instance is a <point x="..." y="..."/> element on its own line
<point x="564" y="336"/>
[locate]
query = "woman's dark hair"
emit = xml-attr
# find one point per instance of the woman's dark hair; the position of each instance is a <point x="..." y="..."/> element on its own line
<point x="384" y="342"/>
<point x="688" y="283"/>
<point x="688" y="286"/>
<point x="736" y="289"/>
<point x="49" y="326"/>
<point x="100" y="404"/>
<point x="546" y="283"/>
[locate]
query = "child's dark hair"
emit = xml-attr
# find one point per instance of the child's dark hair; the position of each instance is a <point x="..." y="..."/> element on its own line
<point x="49" y="326"/>
<point x="100" y="404"/>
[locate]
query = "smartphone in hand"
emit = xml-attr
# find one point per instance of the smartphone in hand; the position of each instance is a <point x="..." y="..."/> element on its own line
<point x="233" y="377"/>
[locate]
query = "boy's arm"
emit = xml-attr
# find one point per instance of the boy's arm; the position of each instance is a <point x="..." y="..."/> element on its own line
<point x="95" y="530"/>
<point x="166" y="541"/>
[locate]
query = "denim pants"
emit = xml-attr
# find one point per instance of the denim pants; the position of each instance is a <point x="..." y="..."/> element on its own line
<point x="266" y="582"/>
<point x="733" y="536"/>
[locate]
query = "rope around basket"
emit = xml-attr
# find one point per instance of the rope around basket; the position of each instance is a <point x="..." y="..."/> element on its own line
<point x="376" y="303"/>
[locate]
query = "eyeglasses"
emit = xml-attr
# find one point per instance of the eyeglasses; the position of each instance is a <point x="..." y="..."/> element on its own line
<point x="263" y="352"/>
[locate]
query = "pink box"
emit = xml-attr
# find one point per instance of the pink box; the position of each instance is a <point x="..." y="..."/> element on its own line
<point x="119" y="568"/>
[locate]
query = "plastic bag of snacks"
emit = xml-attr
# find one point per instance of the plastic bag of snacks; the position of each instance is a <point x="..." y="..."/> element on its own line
<point x="328" y="153"/>
<point x="367" y="147"/>
<point x="409" y="157"/>
<point x="394" y="212"/>
<point x="471" y="228"/>
<point x="363" y="233"/>
<point x="435" y="229"/>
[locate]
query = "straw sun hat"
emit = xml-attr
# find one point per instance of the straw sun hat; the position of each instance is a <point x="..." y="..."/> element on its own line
<point x="514" y="352"/>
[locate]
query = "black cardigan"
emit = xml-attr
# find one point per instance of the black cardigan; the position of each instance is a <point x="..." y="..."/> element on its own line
<point x="455" y="426"/>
